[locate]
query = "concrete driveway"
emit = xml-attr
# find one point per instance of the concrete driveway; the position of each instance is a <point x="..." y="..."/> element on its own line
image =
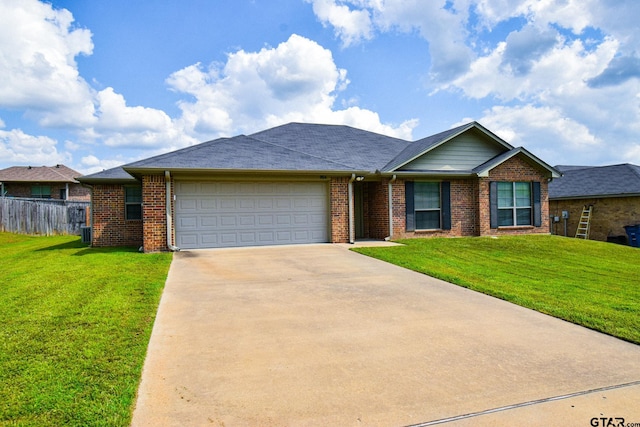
<point x="318" y="335"/>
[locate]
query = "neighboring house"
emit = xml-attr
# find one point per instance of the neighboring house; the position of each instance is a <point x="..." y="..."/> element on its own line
<point x="306" y="183"/>
<point x="613" y="191"/>
<point x="42" y="182"/>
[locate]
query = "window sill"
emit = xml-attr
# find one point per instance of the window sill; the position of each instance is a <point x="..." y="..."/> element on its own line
<point x="428" y="231"/>
<point x="516" y="227"/>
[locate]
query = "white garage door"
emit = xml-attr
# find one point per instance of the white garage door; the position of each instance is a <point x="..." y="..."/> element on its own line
<point x="229" y="214"/>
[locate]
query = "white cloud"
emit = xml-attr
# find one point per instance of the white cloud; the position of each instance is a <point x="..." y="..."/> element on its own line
<point x="443" y="27"/>
<point x="548" y="133"/>
<point x="295" y="81"/>
<point x="38" y="47"/>
<point x="350" y="25"/>
<point x="91" y="164"/>
<point x="19" y="148"/>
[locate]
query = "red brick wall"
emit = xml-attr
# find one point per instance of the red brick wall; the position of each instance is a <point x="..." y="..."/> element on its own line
<point x="76" y="191"/>
<point x="339" y="210"/>
<point x="153" y="213"/>
<point x="399" y="209"/>
<point x="377" y="209"/>
<point x="470" y="205"/>
<point x="514" y="169"/>
<point x="110" y="228"/>
<point x="464" y="211"/>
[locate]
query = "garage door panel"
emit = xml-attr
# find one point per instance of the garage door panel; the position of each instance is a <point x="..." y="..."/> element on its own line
<point x="228" y="221"/>
<point x="226" y="214"/>
<point x="208" y="221"/>
<point x="188" y="222"/>
<point x="207" y="204"/>
<point x="187" y="204"/>
<point x="246" y="220"/>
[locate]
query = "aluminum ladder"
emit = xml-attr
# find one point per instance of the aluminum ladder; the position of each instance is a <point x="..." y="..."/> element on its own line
<point x="585" y="221"/>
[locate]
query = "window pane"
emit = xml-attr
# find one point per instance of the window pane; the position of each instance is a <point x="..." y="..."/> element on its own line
<point x="427" y="220"/>
<point x="523" y="216"/>
<point x="505" y="194"/>
<point x="133" y="194"/>
<point x="523" y="194"/>
<point x="426" y="195"/>
<point x="505" y="217"/>
<point x="134" y="211"/>
<point x="41" y="191"/>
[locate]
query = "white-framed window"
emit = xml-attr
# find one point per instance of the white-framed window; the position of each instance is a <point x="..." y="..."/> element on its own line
<point x="427" y="205"/>
<point x="514" y="204"/>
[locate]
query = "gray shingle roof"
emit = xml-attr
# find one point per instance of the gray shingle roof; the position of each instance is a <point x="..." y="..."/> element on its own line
<point x="358" y="149"/>
<point x="295" y="147"/>
<point x="599" y="181"/>
<point x="239" y="153"/>
<point x="113" y="175"/>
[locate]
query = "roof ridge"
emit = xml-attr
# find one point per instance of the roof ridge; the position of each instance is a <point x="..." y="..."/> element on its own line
<point x="635" y="169"/>
<point x="296" y="151"/>
<point x="56" y="170"/>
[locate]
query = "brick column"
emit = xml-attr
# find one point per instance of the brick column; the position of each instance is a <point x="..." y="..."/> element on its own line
<point x="339" y="210"/>
<point x="154" y="214"/>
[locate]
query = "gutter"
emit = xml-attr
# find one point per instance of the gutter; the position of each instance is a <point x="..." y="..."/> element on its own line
<point x="390" y="193"/>
<point x="167" y="178"/>
<point x="351" y="213"/>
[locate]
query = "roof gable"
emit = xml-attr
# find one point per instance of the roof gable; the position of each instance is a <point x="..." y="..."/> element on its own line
<point x="484" y="169"/>
<point x="599" y="181"/>
<point x="458" y="149"/>
<point x="57" y="173"/>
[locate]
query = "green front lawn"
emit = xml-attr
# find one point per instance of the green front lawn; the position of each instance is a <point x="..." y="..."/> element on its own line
<point x="74" y="327"/>
<point x="590" y="283"/>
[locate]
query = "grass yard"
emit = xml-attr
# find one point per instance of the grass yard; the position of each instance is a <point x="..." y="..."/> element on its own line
<point x="590" y="283"/>
<point x="74" y="327"/>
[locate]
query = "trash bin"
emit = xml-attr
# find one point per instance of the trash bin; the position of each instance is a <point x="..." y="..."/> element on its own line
<point x="633" y="231"/>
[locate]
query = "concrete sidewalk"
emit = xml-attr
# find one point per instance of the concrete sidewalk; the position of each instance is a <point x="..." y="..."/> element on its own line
<point x="316" y="335"/>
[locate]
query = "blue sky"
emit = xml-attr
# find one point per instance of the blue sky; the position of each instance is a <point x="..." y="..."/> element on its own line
<point x="97" y="84"/>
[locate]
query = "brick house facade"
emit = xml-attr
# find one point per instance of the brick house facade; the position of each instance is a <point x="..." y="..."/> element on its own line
<point x="50" y="182"/>
<point x="609" y="217"/>
<point x="613" y="192"/>
<point x="358" y="205"/>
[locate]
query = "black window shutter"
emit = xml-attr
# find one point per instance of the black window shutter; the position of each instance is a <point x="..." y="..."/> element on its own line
<point x="537" y="207"/>
<point x="493" y="203"/>
<point x="409" y="206"/>
<point x="445" y="189"/>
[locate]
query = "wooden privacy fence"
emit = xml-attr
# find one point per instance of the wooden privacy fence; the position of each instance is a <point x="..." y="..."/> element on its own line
<point x="42" y="216"/>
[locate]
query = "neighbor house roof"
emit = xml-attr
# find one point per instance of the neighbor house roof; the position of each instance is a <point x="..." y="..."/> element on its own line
<point x="580" y="182"/>
<point x="301" y="148"/>
<point x="57" y="173"/>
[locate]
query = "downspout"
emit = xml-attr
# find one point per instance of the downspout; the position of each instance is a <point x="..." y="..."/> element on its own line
<point x="66" y="191"/>
<point x="390" y="193"/>
<point x="350" y="196"/>
<point x="167" y="178"/>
